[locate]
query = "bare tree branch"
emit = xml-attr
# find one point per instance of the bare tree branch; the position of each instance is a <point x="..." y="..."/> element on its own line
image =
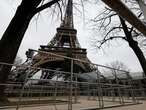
<point x="42" y="7"/>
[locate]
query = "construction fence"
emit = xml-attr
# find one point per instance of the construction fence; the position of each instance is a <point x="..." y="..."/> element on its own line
<point x="101" y="87"/>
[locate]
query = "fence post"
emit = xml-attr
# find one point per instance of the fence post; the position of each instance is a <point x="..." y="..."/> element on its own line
<point x="70" y="94"/>
<point x="22" y="90"/>
<point x="99" y="86"/>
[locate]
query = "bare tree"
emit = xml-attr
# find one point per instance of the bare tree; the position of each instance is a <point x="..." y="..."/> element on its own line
<point x="12" y="37"/>
<point x="119" y="65"/>
<point x="118" y="75"/>
<point x="115" y="27"/>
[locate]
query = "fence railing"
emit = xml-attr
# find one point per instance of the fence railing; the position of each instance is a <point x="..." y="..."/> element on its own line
<point x="74" y="89"/>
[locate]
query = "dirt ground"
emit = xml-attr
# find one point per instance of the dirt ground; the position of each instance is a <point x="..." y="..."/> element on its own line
<point x="131" y="107"/>
<point x="83" y="104"/>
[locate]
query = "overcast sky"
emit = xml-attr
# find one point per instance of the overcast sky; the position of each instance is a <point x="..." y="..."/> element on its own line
<point x="41" y="32"/>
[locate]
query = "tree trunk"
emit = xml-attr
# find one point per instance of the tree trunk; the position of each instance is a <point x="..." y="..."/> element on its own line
<point x="11" y="39"/>
<point x="134" y="45"/>
<point x="10" y="42"/>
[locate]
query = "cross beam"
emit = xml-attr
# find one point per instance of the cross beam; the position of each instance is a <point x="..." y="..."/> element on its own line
<point x="125" y="13"/>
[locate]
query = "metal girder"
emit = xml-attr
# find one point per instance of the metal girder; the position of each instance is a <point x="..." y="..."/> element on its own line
<point x="125" y="13"/>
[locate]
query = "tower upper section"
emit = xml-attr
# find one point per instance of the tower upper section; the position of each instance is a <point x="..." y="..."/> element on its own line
<point x="68" y="17"/>
<point x="66" y="34"/>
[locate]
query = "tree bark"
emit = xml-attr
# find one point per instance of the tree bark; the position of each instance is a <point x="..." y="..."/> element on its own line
<point x="134" y="45"/>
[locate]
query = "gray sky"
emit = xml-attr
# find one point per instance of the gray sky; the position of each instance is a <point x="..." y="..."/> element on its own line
<point x="41" y="32"/>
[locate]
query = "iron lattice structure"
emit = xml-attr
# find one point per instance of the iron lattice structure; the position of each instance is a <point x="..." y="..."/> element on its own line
<point x="64" y="43"/>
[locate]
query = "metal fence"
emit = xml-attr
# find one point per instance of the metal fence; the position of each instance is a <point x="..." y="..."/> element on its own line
<point x="100" y="88"/>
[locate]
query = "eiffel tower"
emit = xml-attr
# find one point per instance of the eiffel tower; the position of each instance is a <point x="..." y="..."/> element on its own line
<point x="64" y="43"/>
